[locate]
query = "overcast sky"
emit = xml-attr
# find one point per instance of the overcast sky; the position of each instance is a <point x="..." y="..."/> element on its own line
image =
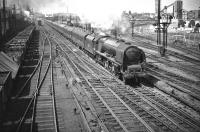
<point x="110" y="6"/>
<point x="101" y="11"/>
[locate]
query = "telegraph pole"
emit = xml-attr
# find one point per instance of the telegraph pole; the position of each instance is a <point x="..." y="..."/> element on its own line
<point x="132" y="28"/>
<point x="166" y="21"/>
<point x="14" y="17"/>
<point x="132" y="22"/>
<point x="0" y="27"/>
<point x="158" y="28"/>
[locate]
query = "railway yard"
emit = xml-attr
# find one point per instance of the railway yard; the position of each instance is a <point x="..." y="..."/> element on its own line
<point x="58" y="87"/>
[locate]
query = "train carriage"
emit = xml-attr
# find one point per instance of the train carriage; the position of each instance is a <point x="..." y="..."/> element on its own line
<point x="89" y="44"/>
<point x="78" y="37"/>
<point x="68" y="31"/>
<point x="119" y="57"/>
<point x="40" y="22"/>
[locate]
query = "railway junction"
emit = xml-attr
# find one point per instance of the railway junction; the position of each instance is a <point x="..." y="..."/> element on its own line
<point x="57" y="87"/>
<point x="55" y="77"/>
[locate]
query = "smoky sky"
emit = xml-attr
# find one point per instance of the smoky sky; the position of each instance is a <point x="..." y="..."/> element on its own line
<point x="38" y="4"/>
<point x="33" y="4"/>
<point x="99" y="12"/>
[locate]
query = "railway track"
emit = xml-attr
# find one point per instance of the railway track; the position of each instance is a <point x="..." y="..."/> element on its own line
<point x="170" y="52"/>
<point x="29" y="66"/>
<point x="191" y="69"/>
<point x="187" y="86"/>
<point x="116" y="118"/>
<point x="179" y="115"/>
<point x="178" y="46"/>
<point x="26" y="76"/>
<point x="187" y="50"/>
<point x="160" y="101"/>
<point x="41" y="113"/>
<point x="186" y="123"/>
<point x="102" y="92"/>
<point x="183" y="84"/>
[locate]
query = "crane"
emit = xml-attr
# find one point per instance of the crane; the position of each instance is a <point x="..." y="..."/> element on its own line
<point x="164" y="10"/>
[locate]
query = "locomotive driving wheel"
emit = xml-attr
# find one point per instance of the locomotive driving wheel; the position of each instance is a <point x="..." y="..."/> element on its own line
<point x="97" y="58"/>
<point x="106" y="64"/>
<point x="113" y="69"/>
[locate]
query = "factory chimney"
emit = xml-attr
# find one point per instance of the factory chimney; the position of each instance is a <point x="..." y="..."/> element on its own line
<point x="178" y="7"/>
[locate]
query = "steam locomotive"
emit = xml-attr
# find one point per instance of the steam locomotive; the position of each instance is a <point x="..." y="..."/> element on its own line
<point x="119" y="57"/>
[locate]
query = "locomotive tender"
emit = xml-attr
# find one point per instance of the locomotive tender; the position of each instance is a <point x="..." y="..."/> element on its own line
<point x="119" y="57"/>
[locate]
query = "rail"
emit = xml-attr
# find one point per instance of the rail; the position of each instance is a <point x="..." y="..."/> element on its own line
<point x="34" y="99"/>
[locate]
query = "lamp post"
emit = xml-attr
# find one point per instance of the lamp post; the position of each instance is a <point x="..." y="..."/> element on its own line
<point x="132" y="21"/>
<point x="166" y="21"/>
<point x="158" y="27"/>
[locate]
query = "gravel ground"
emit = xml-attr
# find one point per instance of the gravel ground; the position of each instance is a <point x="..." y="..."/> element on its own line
<point x="65" y="104"/>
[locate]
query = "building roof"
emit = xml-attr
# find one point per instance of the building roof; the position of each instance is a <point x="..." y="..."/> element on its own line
<point x="7" y="64"/>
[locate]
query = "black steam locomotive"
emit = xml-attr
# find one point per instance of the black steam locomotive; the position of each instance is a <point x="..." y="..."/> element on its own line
<point x="119" y="57"/>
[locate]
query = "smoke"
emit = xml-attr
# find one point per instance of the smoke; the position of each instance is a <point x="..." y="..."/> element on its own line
<point x="31" y="4"/>
<point x="100" y="13"/>
<point x="122" y="24"/>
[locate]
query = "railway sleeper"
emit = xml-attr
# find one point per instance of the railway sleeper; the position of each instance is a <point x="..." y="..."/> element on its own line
<point x="37" y="117"/>
<point x="45" y="121"/>
<point x="44" y="98"/>
<point x="46" y="128"/>
<point x="44" y="106"/>
<point x="137" y="128"/>
<point x="44" y="110"/>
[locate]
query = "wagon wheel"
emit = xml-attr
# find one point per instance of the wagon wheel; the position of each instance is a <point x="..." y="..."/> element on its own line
<point x="124" y="80"/>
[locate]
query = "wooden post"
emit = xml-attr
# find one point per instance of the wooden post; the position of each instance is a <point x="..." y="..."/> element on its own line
<point x="0" y="26"/>
<point x="132" y="28"/>
<point x="158" y="28"/>
<point x="4" y="17"/>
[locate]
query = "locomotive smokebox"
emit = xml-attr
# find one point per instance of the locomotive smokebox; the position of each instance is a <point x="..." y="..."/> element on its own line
<point x="133" y="55"/>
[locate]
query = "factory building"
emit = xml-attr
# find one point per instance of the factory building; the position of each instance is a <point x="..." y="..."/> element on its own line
<point x="193" y="14"/>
